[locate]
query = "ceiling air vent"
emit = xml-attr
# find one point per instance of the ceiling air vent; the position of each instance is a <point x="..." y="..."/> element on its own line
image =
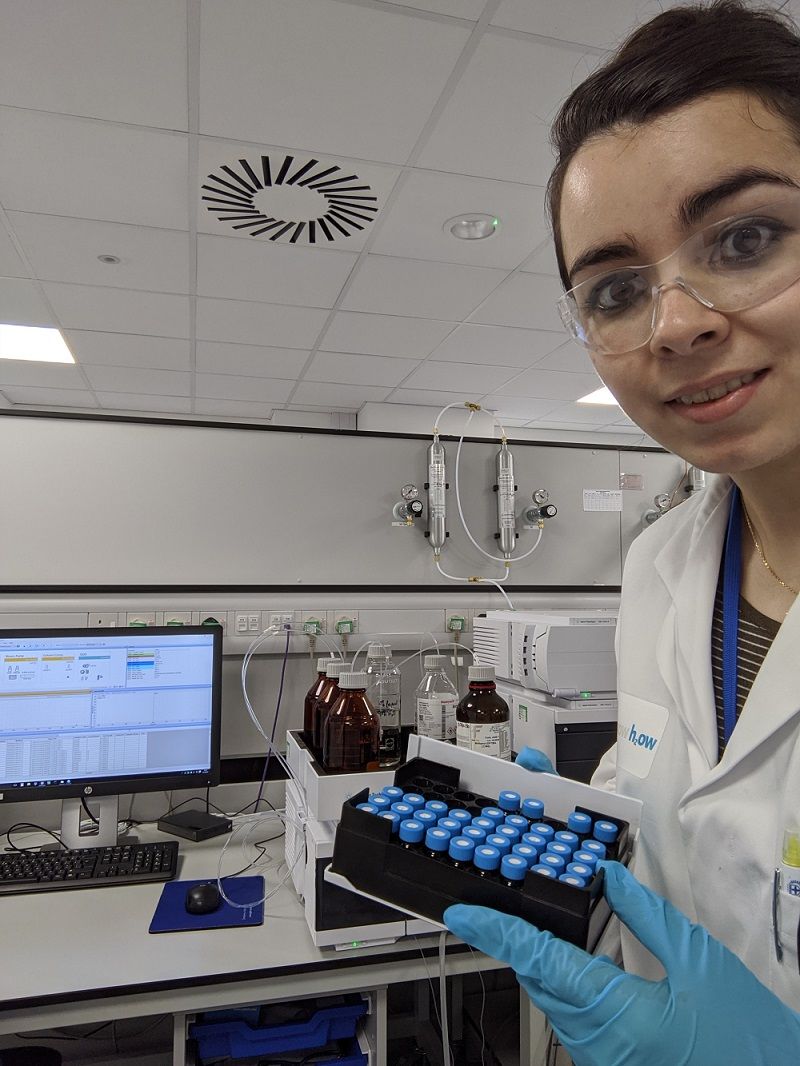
<point x="289" y="199"/>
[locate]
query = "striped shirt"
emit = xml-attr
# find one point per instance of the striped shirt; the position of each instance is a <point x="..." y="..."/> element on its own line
<point x="756" y="634"/>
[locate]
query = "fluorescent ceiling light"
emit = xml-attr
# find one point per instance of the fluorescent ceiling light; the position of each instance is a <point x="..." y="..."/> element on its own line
<point x="40" y="344"/>
<point x="601" y="396"/>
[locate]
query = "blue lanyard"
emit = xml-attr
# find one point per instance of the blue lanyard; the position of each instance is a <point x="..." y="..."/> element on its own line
<point x="731" y="584"/>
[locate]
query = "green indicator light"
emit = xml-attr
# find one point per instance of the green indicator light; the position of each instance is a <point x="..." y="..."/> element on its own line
<point x="586" y="695"/>
<point x="356" y="944"/>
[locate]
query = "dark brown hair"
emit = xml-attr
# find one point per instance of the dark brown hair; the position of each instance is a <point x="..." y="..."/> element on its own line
<point x="680" y="55"/>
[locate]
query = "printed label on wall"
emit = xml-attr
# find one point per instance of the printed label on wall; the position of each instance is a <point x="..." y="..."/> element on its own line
<point x="602" y="499"/>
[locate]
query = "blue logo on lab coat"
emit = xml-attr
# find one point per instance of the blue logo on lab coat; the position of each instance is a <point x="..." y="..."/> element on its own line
<point x="642" y="740"/>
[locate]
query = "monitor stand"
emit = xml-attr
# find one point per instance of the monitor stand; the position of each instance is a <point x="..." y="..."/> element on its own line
<point x="105" y="810"/>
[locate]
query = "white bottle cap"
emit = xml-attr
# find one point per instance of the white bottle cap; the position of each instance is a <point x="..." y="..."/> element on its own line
<point x="480" y="673"/>
<point x="376" y="651"/>
<point x="322" y="665"/>
<point x="335" y="667"/>
<point x="353" y="680"/>
<point x="435" y="662"/>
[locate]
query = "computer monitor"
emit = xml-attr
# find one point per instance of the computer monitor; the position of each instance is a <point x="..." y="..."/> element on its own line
<point x="96" y="713"/>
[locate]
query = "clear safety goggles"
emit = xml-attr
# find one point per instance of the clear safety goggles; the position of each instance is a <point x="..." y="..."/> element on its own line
<point x="732" y="265"/>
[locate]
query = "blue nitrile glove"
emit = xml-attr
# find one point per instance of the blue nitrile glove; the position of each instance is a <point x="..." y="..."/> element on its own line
<point x="709" y="1010"/>
<point x="533" y="759"/>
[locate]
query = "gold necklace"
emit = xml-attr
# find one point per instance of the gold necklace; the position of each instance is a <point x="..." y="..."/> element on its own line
<point x="795" y="592"/>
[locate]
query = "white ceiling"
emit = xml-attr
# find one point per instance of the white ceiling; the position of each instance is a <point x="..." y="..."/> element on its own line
<point x="117" y="118"/>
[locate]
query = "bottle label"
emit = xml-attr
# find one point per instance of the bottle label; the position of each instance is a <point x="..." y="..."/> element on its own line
<point x="493" y="739"/>
<point x="388" y="708"/>
<point x="436" y="717"/>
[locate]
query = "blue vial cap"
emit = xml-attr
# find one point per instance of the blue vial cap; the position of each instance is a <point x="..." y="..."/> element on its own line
<point x="437" y="839"/>
<point x="503" y="844"/>
<point x="494" y="813"/>
<point x="461" y="848"/>
<point x="509" y="831"/>
<point x="393" y="792"/>
<point x="586" y="858"/>
<point x="545" y="871"/>
<point x="411" y="831"/>
<point x="580" y="869"/>
<point x="508" y="800"/>
<point x="438" y="807"/>
<point x="533" y="809"/>
<point x="526" y="852"/>
<point x="595" y="848"/>
<point x="460" y="815"/>
<point x="370" y="808"/>
<point x="394" y="818"/>
<point x="555" y="847"/>
<point x="564" y="836"/>
<point x="544" y="830"/>
<point x="383" y="803"/>
<point x="451" y="825"/>
<point x="414" y="799"/>
<point x="513" y="867"/>
<point x="605" y="831"/>
<point x="535" y="841"/>
<point x="405" y="810"/>
<point x="579" y="822"/>
<point x="487" y="824"/>
<point x="517" y="821"/>
<point x="557" y="862"/>
<point x="428" y="818"/>
<point x="486" y="857"/>
<point x="572" y="879"/>
<point x="474" y="832"/>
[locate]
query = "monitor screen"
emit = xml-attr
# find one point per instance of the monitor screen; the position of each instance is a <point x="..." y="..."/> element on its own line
<point x="107" y="711"/>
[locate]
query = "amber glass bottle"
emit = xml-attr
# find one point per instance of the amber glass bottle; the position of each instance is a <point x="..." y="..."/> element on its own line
<point x="326" y="701"/>
<point x="314" y="693"/>
<point x="483" y="720"/>
<point x="351" y="733"/>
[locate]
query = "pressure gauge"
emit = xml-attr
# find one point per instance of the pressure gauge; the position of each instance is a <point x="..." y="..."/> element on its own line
<point x="409" y="492"/>
<point x="662" y="501"/>
<point x="541" y="496"/>
<point x="415" y="508"/>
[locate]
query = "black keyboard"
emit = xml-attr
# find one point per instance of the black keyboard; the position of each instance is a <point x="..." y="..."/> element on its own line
<point x="122" y="864"/>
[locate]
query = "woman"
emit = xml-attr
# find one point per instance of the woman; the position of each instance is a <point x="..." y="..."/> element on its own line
<point x="683" y="153"/>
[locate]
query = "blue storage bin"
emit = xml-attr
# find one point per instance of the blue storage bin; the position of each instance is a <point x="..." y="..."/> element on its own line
<point x="242" y="1033"/>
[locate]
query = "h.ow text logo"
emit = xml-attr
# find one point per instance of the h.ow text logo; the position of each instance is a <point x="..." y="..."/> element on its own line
<point x="642" y="740"/>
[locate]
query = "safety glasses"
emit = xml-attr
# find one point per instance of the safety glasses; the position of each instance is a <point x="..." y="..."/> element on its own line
<point x="732" y="265"/>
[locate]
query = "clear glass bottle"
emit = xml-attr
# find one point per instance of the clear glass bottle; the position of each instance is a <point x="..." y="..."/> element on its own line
<point x="314" y="693"/>
<point x="435" y="702"/>
<point x="326" y="701"/>
<point x="483" y="720"/>
<point x="384" y="693"/>
<point x="351" y="734"/>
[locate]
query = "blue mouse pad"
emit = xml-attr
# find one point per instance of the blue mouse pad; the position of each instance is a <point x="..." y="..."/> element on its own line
<point x="171" y="915"/>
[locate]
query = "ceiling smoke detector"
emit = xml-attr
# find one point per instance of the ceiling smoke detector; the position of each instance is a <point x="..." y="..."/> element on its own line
<point x="289" y="199"/>
<point x="474" y="226"/>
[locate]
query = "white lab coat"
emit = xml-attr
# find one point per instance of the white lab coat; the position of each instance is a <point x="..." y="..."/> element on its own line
<point x="711" y="833"/>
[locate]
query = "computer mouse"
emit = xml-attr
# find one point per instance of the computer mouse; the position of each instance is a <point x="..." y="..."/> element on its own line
<point x="203" y="899"/>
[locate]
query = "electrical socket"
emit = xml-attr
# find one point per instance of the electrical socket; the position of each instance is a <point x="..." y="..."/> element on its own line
<point x="281" y="618"/>
<point x="457" y="619"/>
<point x="199" y="617"/>
<point x="313" y="622"/>
<point x="142" y="619"/>
<point x="102" y="619"/>
<point x="177" y="618"/>
<point x="344" y="622"/>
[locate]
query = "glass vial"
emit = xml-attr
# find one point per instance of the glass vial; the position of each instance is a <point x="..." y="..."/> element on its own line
<point x="483" y="721"/>
<point x="326" y="701"/>
<point x="435" y="702"/>
<point x="351" y="734"/>
<point x="384" y="692"/>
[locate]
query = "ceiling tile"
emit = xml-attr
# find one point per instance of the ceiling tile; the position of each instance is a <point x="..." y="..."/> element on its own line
<point x="243" y="189"/>
<point x="50" y="397"/>
<point x="233" y="409"/>
<point x="67" y="249"/>
<point x="119" y="310"/>
<point x="425" y="397"/>
<point x="11" y="266"/>
<point x="249" y="360"/>
<point x="420" y="289"/>
<point x="519" y="406"/>
<point x="550" y="385"/>
<point x="341" y="397"/>
<point x="347" y="369"/>
<point x="121" y="401"/>
<point x="502" y="344"/>
<point x="472" y="377"/>
<point x="496" y="122"/>
<point x="279" y="274"/>
<point x="47" y="375"/>
<point x="526" y="300"/>
<point x="384" y="335"/>
<point x="543" y="260"/>
<point x="582" y="21"/>
<point x="108" y="172"/>
<point x="589" y="414"/>
<point x="336" y="75"/>
<point x="21" y="302"/>
<point x="124" y="62"/>
<point x="135" y="379"/>
<point x="247" y="322"/>
<point x="414" y="226"/>
<point x="465" y="9"/>
<point x="231" y="387"/>
<point x="570" y="357"/>
<point x="125" y="349"/>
